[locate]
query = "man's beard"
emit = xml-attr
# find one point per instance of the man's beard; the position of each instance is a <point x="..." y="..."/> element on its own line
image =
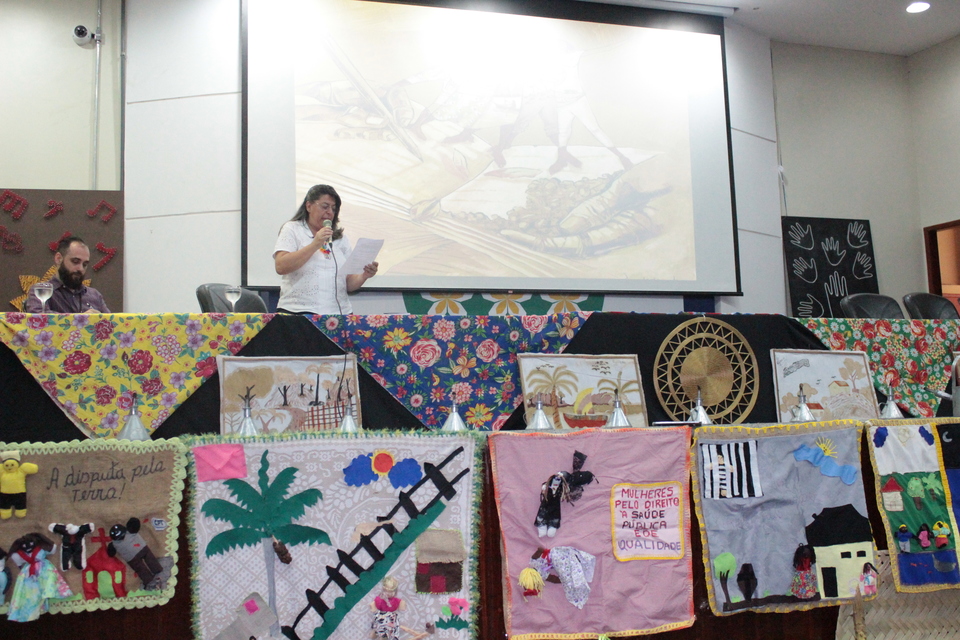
<point x="71" y="279"/>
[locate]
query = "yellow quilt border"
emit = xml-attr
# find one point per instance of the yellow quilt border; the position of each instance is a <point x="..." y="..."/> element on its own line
<point x="892" y="547"/>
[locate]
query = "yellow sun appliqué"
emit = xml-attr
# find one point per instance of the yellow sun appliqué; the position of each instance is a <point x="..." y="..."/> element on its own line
<point x="826" y="445"/>
<point x="381" y="462"/>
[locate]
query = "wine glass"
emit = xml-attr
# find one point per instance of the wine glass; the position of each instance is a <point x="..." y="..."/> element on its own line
<point x="43" y="291"/>
<point x="232" y="294"/>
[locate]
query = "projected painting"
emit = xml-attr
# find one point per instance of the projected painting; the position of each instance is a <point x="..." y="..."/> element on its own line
<point x="503" y="150"/>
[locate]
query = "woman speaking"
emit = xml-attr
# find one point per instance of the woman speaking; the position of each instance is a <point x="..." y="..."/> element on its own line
<point x="310" y="252"/>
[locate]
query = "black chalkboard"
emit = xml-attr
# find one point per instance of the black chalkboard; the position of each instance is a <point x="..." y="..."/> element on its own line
<point x="827" y="259"/>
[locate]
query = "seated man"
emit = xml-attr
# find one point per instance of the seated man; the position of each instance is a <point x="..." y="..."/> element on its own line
<point x="69" y="294"/>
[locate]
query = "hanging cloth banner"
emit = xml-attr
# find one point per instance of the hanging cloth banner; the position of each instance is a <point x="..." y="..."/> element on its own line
<point x="96" y="366"/>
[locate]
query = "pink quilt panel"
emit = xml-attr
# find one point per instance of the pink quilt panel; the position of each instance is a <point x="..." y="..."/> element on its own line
<point x="617" y="504"/>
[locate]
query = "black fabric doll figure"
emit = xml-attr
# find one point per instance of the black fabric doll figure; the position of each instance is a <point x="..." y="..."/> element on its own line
<point x="73" y="546"/>
<point x="563" y="486"/>
<point x="130" y="545"/>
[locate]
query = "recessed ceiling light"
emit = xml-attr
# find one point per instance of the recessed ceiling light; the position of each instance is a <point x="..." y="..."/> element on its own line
<point x="918" y="7"/>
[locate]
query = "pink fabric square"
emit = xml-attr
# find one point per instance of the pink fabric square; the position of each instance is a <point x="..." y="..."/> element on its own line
<point x="220" y="462"/>
<point x="251" y="606"/>
<point x="438" y="584"/>
<point x="423" y="567"/>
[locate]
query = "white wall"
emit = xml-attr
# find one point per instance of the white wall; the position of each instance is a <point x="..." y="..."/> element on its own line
<point x="47" y="109"/>
<point x="847" y="150"/>
<point x="182" y="143"/>
<point x="754" y="136"/>
<point x="934" y="81"/>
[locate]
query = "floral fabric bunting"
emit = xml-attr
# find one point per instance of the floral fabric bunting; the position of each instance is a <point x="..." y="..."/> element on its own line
<point x="94" y="365"/>
<point x="911" y="357"/>
<point x="427" y="362"/>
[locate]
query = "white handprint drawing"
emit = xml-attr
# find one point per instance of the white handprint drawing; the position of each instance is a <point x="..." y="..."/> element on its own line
<point x="810" y="308"/>
<point x="831" y="249"/>
<point x="800" y="237"/>
<point x="835" y="287"/>
<point x="862" y="266"/>
<point x="806" y="271"/>
<point x="856" y="235"/>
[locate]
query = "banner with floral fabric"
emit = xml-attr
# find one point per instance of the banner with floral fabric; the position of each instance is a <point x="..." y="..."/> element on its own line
<point x="427" y="362"/>
<point x="911" y="358"/>
<point x="95" y="365"/>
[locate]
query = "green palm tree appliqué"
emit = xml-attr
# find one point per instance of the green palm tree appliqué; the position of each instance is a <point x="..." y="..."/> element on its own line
<point x="264" y="516"/>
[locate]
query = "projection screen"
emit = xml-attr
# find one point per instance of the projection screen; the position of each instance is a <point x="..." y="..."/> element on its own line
<point x="496" y="151"/>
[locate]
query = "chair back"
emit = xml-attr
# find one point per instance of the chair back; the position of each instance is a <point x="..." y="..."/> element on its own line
<point x="212" y="299"/>
<point x="928" y="306"/>
<point x="871" y="305"/>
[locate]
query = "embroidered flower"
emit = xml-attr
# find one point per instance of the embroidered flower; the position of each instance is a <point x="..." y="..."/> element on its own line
<point x="125" y="401"/>
<point x="127" y="339"/>
<point x="105" y="395"/>
<point x="45" y="338"/>
<point x="437" y="394"/>
<point x="444" y="330"/>
<point x="837" y="341"/>
<point x="140" y="362"/>
<point x="332" y="323"/>
<point x="416" y="400"/>
<point x="461" y="392"/>
<point x="236" y="328"/>
<point x="377" y="320"/>
<point x="457" y="605"/>
<point x="488" y="350"/>
<point x="478" y="415"/>
<point x="110" y="421"/>
<point x="108" y="351"/>
<point x="20" y="339"/>
<point x="195" y="341"/>
<point x="463" y="366"/>
<point x="37" y="321"/>
<point x="206" y="367"/>
<point x="177" y="379"/>
<point x="396" y="339"/>
<point x="48" y="353"/>
<point x="464" y="322"/>
<point x="234" y="347"/>
<point x="15" y="318"/>
<point x="193" y="326"/>
<point x="79" y="320"/>
<point x="151" y="386"/>
<point x="533" y="324"/>
<point x="168" y="399"/>
<point x="367" y="354"/>
<point x="50" y="386"/>
<point x="425" y="353"/>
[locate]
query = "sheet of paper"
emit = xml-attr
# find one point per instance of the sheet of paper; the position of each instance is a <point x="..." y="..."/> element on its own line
<point x="364" y="253"/>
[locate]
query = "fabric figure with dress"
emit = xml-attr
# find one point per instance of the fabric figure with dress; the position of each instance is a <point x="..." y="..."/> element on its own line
<point x="804" y="584"/>
<point x="38" y="580"/>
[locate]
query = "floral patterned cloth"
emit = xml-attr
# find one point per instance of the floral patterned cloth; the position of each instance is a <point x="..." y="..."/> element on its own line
<point x="427" y="362"/>
<point x="94" y="364"/>
<point x="911" y="357"/>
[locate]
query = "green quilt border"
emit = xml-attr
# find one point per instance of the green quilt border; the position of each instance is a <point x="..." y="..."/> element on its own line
<point x="175" y="500"/>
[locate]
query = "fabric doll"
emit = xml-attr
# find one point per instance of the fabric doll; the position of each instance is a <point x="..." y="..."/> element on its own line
<point x="903" y="538"/>
<point x="4" y="576"/>
<point x="130" y="545"/>
<point x="13" y="484"/>
<point x="560" y="487"/>
<point x="804" y="584"/>
<point x="923" y="535"/>
<point x="573" y="568"/>
<point x="73" y="546"/>
<point x="868" y="580"/>
<point x="38" y="580"/>
<point x="941" y="531"/>
<point x="386" y="609"/>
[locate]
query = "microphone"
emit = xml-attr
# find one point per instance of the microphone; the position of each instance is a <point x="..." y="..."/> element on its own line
<point x="326" y="225"/>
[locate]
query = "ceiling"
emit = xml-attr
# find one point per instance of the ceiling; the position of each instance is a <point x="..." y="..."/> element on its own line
<point x="880" y="26"/>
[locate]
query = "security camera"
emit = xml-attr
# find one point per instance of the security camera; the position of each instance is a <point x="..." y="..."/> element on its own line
<point x="82" y="35"/>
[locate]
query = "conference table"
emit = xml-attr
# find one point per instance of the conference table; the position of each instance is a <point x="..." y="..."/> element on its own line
<point x="913" y="358"/>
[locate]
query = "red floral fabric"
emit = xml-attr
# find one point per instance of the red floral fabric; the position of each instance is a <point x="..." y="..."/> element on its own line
<point x="911" y="358"/>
